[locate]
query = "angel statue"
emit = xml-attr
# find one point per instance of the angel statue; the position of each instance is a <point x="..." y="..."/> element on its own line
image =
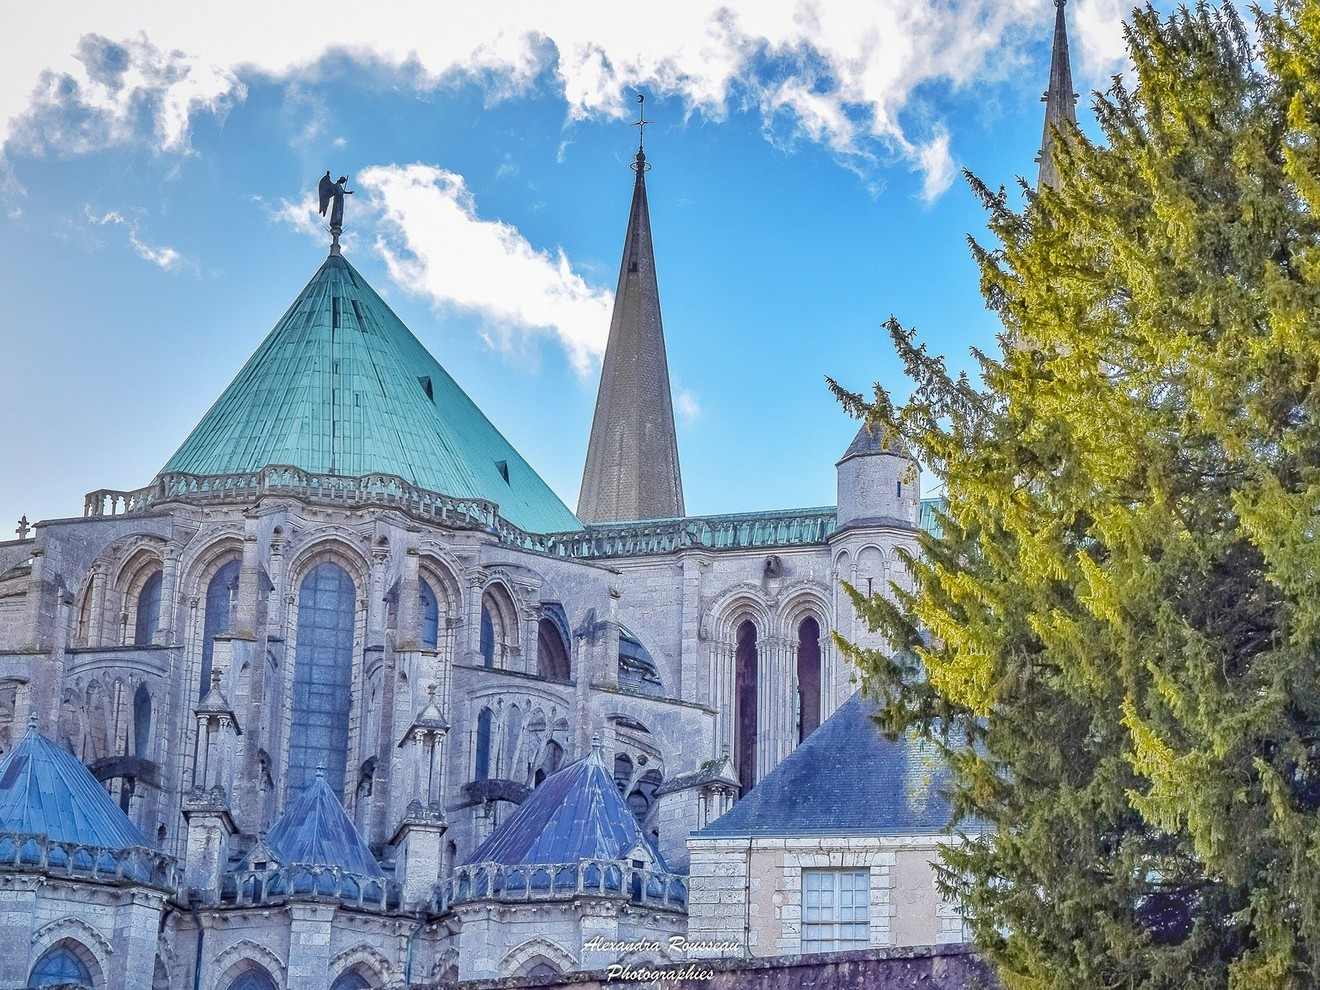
<point x="336" y="191"/>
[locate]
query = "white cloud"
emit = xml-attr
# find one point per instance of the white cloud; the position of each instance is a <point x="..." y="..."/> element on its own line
<point x="436" y="246"/>
<point x="937" y="166"/>
<point x="1098" y="25"/>
<point x="843" y="74"/>
<point x="687" y="405"/>
<point x="162" y="256"/>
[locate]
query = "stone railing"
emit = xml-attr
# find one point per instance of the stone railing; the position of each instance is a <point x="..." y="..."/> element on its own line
<point x="558" y="881"/>
<point x="278" y="883"/>
<point x="744" y="530"/>
<point x="26" y="852"/>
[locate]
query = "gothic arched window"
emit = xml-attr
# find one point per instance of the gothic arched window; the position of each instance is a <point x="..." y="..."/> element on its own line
<point x="322" y="677"/>
<point x="148" y="611"/>
<point x="254" y="978"/>
<point x="352" y="980"/>
<point x="487" y="638"/>
<point x="745" y="691"/>
<point x="808" y="677"/>
<point x="481" y="757"/>
<point x="428" y="614"/>
<point x="142" y="722"/>
<point x="60" y="967"/>
<point x="552" y="660"/>
<point x="220" y="594"/>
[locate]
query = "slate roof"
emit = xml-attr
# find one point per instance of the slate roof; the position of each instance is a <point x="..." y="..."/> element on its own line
<point x="576" y="814"/>
<point x="846" y="779"/>
<point x="315" y="831"/>
<point x="45" y="790"/>
<point x="341" y="386"/>
<point x="872" y="441"/>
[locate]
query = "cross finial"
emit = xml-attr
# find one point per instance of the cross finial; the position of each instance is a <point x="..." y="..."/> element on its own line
<point x="639" y="160"/>
<point x="320" y="771"/>
<point x="23" y="528"/>
<point x="32" y="721"/>
<point x="597" y="747"/>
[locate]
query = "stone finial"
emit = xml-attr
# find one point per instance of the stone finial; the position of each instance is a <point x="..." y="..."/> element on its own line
<point x="23" y="528"/>
<point x="32" y="721"/>
<point x="320" y="771"/>
<point x="597" y="747"/>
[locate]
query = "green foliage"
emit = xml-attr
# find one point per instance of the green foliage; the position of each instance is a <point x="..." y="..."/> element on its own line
<point x="1116" y="637"/>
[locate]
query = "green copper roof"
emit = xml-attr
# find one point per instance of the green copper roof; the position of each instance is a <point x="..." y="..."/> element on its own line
<point x="341" y="386"/>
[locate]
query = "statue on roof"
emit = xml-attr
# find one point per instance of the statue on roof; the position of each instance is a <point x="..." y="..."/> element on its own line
<point x="335" y="191"/>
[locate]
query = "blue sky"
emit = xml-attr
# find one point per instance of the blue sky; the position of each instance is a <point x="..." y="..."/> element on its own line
<point x="155" y="187"/>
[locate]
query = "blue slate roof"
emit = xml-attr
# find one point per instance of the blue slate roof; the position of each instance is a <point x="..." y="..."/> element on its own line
<point x="45" y="790"/>
<point x="575" y="815"/>
<point x="341" y="386"/>
<point x="846" y="779"/>
<point x="315" y="831"/>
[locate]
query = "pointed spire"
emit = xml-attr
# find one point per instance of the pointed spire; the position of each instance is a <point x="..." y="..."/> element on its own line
<point x="1060" y="100"/>
<point x="632" y="469"/>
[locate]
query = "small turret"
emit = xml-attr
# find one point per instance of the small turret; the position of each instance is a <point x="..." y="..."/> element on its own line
<point x="879" y="481"/>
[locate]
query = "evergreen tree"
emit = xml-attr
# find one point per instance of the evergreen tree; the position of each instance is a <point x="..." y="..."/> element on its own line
<point x="1116" y="635"/>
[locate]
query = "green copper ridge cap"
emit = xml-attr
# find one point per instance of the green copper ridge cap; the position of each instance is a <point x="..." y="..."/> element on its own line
<point x="341" y="386"/>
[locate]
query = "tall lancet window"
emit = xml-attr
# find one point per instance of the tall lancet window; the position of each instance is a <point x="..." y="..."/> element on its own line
<point x="808" y="677"/>
<point x="481" y="755"/>
<point x="220" y="596"/>
<point x="148" y="611"/>
<point x="322" y="677"/>
<point x="745" y="686"/>
<point x="428" y="611"/>
<point x="487" y="638"/>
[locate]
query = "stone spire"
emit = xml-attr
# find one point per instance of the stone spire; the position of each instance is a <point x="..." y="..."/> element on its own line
<point x="1060" y="100"/>
<point x="632" y="459"/>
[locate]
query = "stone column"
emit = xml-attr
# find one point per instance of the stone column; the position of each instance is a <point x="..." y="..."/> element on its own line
<point x="18" y="916"/>
<point x="100" y="577"/>
<point x="531" y="653"/>
<point x="693" y="570"/>
<point x="206" y="855"/>
<point x="310" y="927"/>
<point x="137" y="923"/>
<point x="249" y="580"/>
<point x="471" y="653"/>
<point x="279" y="577"/>
<point x="169" y="603"/>
<point x="408" y="633"/>
<point x="607" y="671"/>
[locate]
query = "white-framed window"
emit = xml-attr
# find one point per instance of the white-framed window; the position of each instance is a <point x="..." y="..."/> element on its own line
<point x="836" y="910"/>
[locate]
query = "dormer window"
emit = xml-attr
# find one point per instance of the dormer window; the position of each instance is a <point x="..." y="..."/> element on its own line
<point x="503" y="468"/>
<point x="425" y="382"/>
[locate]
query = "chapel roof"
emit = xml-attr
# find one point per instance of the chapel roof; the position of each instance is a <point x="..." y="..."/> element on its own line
<point x="315" y="831"/>
<point x="575" y="814"/>
<point x="341" y="386"/>
<point x="45" y="790"/>
<point x="845" y="779"/>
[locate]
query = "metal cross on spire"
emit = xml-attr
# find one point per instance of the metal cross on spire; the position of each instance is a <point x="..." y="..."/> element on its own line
<point x="639" y="161"/>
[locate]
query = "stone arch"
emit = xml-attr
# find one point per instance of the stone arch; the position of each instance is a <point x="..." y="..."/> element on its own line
<point x="198" y="564"/>
<point x="805" y="626"/>
<point x="498" y="636"/>
<point x="80" y="938"/>
<point x="365" y="960"/>
<point x="336" y="545"/>
<point x="144" y="557"/>
<point x="438" y="566"/>
<point x="523" y="957"/>
<point x="738" y="604"/>
<point x="243" y="955"/>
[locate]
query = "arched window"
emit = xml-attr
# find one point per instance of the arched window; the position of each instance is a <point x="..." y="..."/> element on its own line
<point x="142" y="722"/>
<point x="84" y="633"/>
<point x="428" y="614"/>
<point x="220" y="595"/>
<point x="542" y="970"/>
<point x="637" y="670"/>
<point x="148" y="611"/>
<point x="487" y="638"/>
<point x="513" y="723"/>
<point x="481" y="757"/>
<point x="552" y="653"/>
<point x="642" y="798"/>
<point x="60" y="967"/>
<point x="808" y="677"/>
<point x="623" y="772"/>
<point x="745" y="690"/>
<point x="253" y="978"/>
<point x="552" y="761"/>
<point x="351" y="980"/>
<point x="322" y="677"/>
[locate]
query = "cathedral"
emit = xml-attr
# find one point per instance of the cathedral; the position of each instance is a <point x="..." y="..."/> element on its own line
<point x="347" y="697"/>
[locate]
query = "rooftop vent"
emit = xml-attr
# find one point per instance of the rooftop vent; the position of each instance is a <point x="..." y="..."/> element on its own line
<point x="503" y="468"/>
<point x="425" y="382"/>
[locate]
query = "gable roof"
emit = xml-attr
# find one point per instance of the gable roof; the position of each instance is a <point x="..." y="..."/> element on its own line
<point x="845" y="779"/>
<point x="45" y="790"/>
<point x="576" y="814"/>
<point x="316" y="831"/>
<point x="341" y="386"/>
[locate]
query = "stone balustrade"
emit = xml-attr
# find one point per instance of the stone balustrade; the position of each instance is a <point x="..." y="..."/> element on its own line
<point x="744" y="530"/>
<point x="558" y="881"/>
<point x="30" y="853"/>
<point x="278" y="884"/>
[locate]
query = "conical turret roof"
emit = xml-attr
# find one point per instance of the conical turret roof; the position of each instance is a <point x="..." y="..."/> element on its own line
<point x="576" y="814"/>
<point x="632" y="469"/>
<point x="316" y="831"/>
<point x="341" y="386"/>
<point x="45" y="790"/>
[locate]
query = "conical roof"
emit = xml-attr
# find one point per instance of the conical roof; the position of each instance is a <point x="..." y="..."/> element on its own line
<point x="45" y="790"/>
<point x="1060" y="100"/>
<point x="846" y="779"/>
<point x="576" y="814"/>
<point x="870" y="440"/>
<point x="632" y="469"/>
<point x="315" y="831"/>
<point x="341" y="386"/>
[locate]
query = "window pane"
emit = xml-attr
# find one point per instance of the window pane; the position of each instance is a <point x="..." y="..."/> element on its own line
<point x="219" y="597"/>
<point x="322" y="677"/>
<point x="835" y="910"/>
